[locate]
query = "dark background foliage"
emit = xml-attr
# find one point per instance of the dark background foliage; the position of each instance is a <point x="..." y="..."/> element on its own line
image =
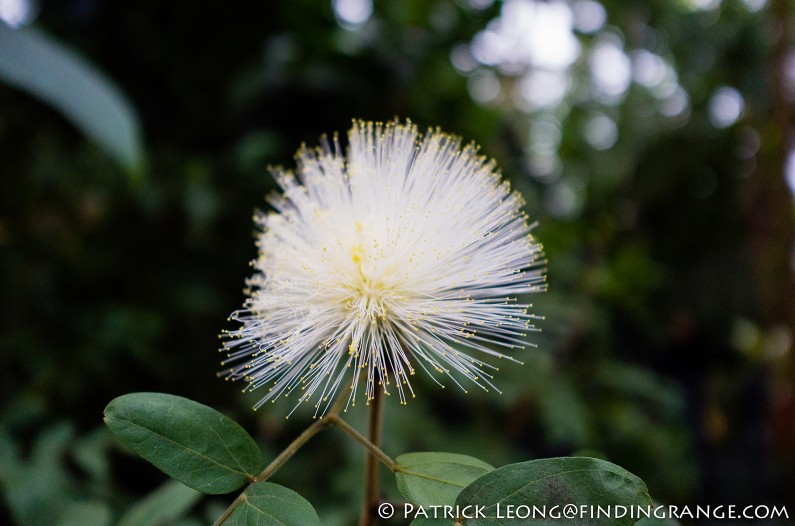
<point x="667" y="343"/>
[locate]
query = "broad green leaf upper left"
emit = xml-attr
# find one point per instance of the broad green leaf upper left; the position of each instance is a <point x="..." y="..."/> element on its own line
<point x="190" y="442"/>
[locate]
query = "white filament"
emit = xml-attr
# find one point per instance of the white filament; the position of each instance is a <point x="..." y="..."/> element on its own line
<point x="408" y="252"/>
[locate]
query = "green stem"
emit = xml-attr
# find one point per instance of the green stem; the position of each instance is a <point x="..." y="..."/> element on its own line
<point x="332" y="418"/>
<point x="289" y="451"/>
<point x="228" y="511"/>
<point x="375" y="450"/>
<point x="371" y="483"/>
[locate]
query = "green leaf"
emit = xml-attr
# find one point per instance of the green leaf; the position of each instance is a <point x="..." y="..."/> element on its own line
<point x="190" y="442"/>
<point x="551" y="482"/>
<point x="37" y="488"/>
<point x="90" y="452"/>
<point x="266" y="504"/>
<point x="654" y="521"/>
<point x="164" y="505"/>
<point x="33" y="62"/>
<point x="428" y="479"/>
<point x="422" y="521"/>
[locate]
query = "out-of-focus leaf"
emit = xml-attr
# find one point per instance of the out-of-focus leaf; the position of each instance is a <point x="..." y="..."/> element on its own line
<point x="164" y="505"/>
<point x="431" y="478"/>
<point x="190" y="442"/>
<point x="554" y="481"/>
<point x="32" y="61"/>
<point x="268" y="504"/>
<point x="83" y="513"/>
<point x="37" y="489"/>
<point x="9" y="456"/>
<point x="90" y="453"/>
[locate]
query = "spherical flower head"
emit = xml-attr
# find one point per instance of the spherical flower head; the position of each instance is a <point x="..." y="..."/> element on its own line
<point x="405" y="252"/>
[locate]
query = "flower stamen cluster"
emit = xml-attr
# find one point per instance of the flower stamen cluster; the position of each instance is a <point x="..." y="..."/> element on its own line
<point x="406" y="252"/>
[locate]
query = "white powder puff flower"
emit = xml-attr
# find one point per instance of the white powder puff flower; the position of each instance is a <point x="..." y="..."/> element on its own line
<point x="404" y="253"/>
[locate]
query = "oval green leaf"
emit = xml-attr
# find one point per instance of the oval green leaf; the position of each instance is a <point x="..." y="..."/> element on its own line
<point x="436" y="479"/>
<point x="188" y="441"/>
<point x="268" y="504"/>
<point x="554" y="482"/>
<point x="163" y="506"/>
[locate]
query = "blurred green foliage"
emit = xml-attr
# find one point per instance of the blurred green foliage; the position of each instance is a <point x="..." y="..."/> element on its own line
<point x="657" y="352"/>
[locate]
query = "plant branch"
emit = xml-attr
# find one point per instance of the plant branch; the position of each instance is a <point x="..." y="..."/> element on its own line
<point x="291" y="450"/>
<point x="228" y="511"/>
<point x="332" y="418"/>
<point x="375" y="450"/>
<point x="322" y="423"/>
<point x="372" y="492"/>
<point x="319" y="425"/>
